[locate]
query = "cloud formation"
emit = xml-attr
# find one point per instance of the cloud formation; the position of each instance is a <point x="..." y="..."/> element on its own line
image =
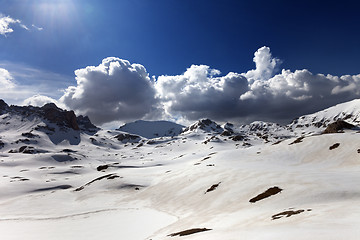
<point x="200" y="93"/>
<point x="6" y="21"/>
<point x="259" y="94"/>
<point x="114" y="90"/>
<point x="266" y="65"/>
<point x="117" y="90"/>
<point x="19" y="82"/>
<point x="40" y="100"/>
<point x="6" y="80"/>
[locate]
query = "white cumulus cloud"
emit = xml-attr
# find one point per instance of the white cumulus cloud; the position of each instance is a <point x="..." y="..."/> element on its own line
<point x="112" y="91"/>
<point x="266" y="65"/>
<point x="259" y="94"/>
<point x="6" y="22"/>
<point x="199" y="92"/>
<point x="117" y="90"/>
<point x="40" y="100"/>
<point x="6" y="80"/>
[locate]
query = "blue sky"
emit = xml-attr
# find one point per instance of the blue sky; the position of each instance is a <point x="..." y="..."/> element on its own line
<point x="53" y="38"/>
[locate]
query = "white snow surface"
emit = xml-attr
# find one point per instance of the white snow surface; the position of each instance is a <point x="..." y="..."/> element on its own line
<point x="80" y="186"/>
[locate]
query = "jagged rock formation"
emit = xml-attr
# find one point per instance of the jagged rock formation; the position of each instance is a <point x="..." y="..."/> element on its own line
<point x="3" y="106"/>
<point x="85" y="124"/>
<point x="51" y="113"/>
<point x="59" y="116"/>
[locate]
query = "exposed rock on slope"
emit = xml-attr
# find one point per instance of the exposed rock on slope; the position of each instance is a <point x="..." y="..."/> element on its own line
<point x="125" y="138"/>
<point x="85" y="124"/>
<point x="349" y="112"/>
<point x="51" y="113"/>
<point x="60" y="117"/>
<point x="337" y="126"/>
<point x="3" y="107"/>
<point x="206" y="125"/>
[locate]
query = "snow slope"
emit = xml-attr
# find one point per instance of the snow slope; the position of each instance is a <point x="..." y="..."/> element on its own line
<point x="348" y="111"/>
<point x="202" y="183"/>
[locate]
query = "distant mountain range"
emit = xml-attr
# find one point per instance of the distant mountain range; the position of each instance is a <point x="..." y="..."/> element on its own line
<point x="50" y="115"/>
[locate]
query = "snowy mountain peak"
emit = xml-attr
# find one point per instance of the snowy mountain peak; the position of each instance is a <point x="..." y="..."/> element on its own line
<point x="348" y="111"/>
<point x="206" y="125"/>
<point x="266" y="126"/>
<point x="152" y="129"/>
<point x="51" y="113"/>
<point x="3" y="106"/>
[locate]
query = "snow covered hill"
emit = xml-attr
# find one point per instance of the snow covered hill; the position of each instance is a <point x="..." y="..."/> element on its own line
<point x="257" y="181"/>
<point x="152" y="129"/>
<point x="317" y="122"/>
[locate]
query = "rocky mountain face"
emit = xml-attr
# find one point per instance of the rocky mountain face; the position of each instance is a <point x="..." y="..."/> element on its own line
<point x="51" y="113"/>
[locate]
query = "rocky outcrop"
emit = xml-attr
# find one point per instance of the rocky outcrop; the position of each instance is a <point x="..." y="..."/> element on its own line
<point x="85" y="124"/>
<point x="59" y="116"/>
<point x="125" y="138"/>
<point x="3" y="106"/>
<point x="338" y="126"/>
<point x="51" y="113"/>
<point x="206" y="125"/>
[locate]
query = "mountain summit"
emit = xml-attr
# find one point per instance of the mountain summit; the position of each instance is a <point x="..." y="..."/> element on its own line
<point x="317" y="122"/>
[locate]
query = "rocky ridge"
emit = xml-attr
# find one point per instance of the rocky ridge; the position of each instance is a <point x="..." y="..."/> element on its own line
<point x="51" y="113"/>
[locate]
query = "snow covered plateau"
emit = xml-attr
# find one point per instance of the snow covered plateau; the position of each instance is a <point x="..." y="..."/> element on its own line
<point x="64" y="178"/>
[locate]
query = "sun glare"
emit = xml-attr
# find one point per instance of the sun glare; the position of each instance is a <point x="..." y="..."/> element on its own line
<point x="56" y="11"/>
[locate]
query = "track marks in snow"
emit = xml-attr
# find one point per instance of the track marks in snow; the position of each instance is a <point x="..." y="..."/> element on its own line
<point x="85" y="214"/>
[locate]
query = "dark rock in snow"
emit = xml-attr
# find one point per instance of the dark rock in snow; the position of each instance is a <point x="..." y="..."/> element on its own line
<point x="212" y="188"/>
<point x="3" y="106"/>
<point x="29" y="135"/>
<point x="271" y="191"/>
<point x="288" y="213"/>
<point x="59" y="116"/>
<point x="237" y="138"/>
<point x="336" y="145"/>
<point x="125" y="137"/>
<point x="85" y="124"/>
<point x="102" y="167"/>
<point x="226" y="133"/>
<point x="338" y="126"/>
<point x="206" y="125"/>
<point x="189" y="232"/>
